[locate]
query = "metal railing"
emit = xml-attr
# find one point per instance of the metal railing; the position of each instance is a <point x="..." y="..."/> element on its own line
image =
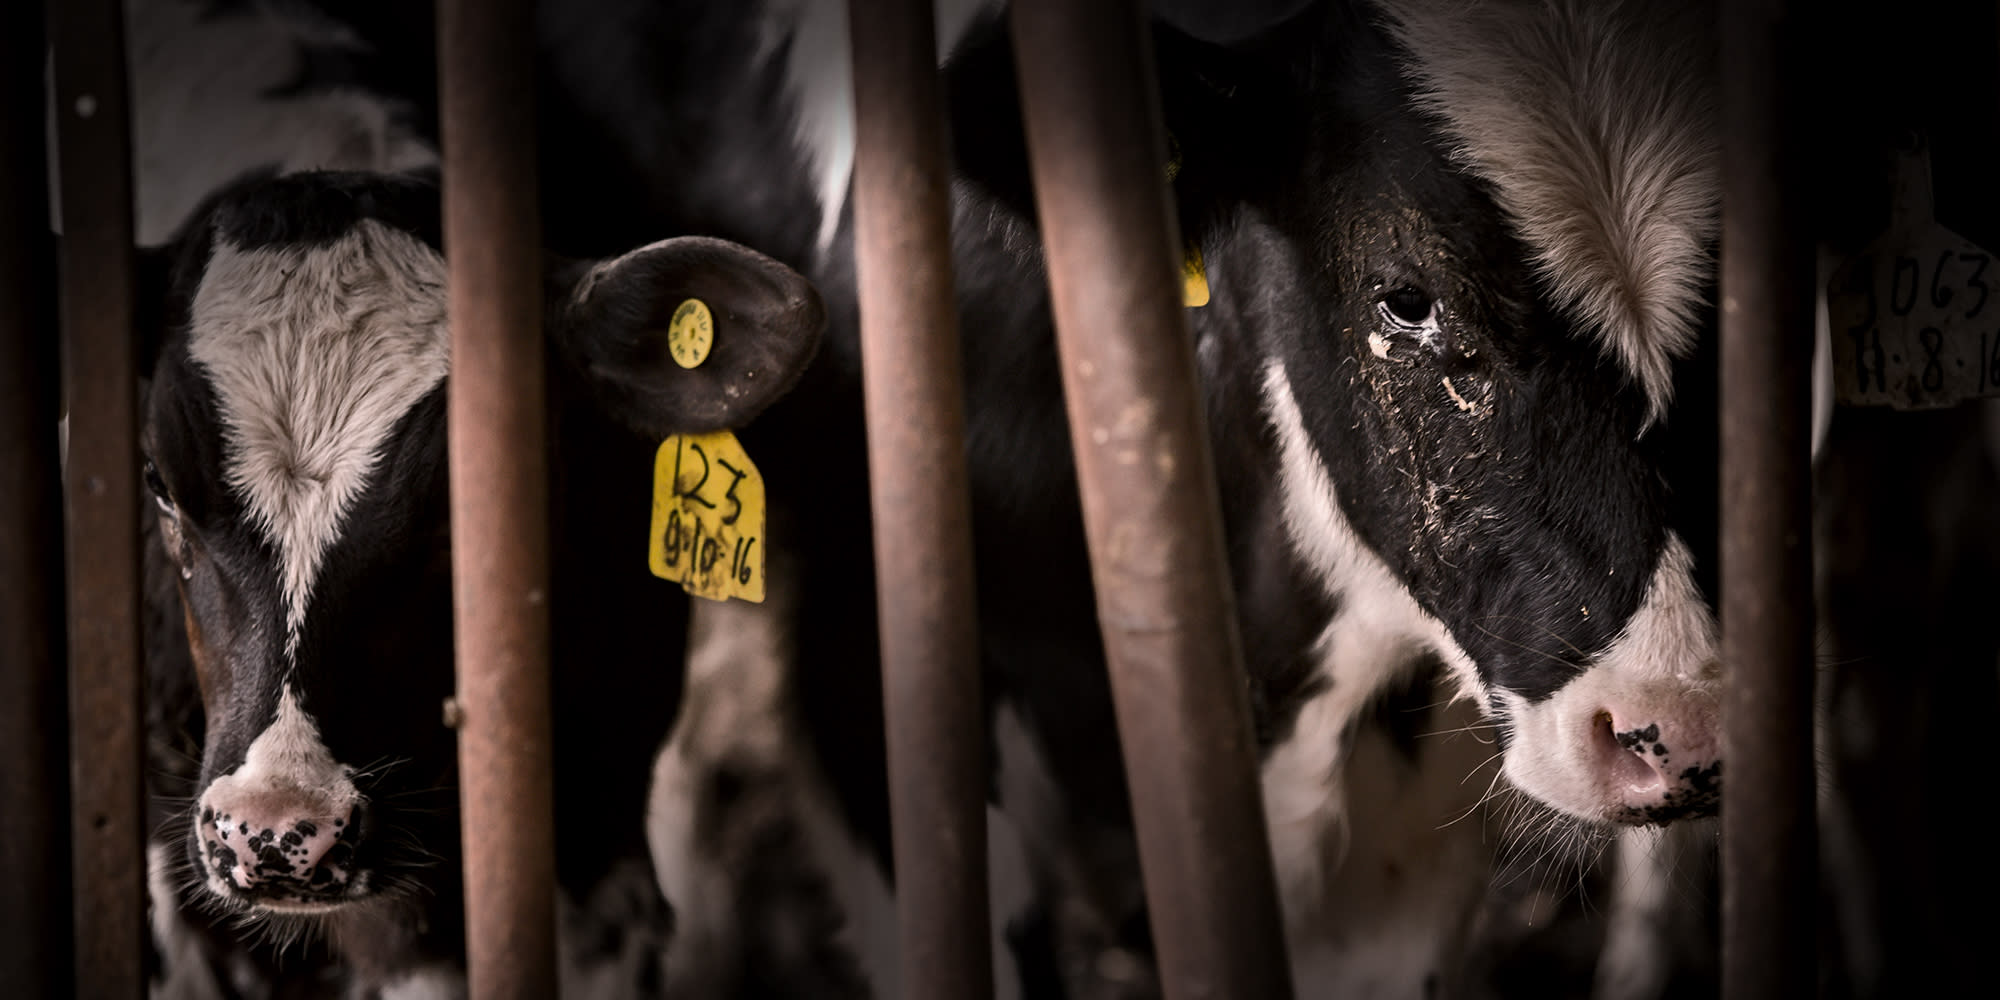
<point x="499" y="495"/>
<point x="1769" y="858"/>
<point x="101" y="494"/>
<point x="918" y="482"/>
<point x="1164" y="599"/>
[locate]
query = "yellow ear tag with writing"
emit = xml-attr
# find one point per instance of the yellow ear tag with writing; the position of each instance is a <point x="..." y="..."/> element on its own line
<point x="1194" y="279"/>
<point x="708" y="497"/>
<point x="691" y="333"/>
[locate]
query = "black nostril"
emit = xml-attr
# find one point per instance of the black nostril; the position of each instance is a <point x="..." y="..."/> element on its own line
<point x="1628" y="766"/>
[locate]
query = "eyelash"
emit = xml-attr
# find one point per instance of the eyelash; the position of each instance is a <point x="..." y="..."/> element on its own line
<point x="1408" y="306"/>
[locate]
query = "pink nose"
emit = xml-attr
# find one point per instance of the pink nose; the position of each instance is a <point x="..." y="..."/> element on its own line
<point x="1658" y="771"/>
<point x="278" y="843"/>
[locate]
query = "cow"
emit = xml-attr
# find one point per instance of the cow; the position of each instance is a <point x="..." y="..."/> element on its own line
<point x="300" y="643"/>
<point x="1460" y="258"/>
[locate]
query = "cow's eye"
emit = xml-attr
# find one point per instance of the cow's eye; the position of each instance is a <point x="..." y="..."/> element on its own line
<point x="157" y="485"/>
<point x="1409" y="306"/>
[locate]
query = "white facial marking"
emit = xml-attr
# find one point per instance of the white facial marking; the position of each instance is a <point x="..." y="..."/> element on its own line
<point x="819" y="70"/>
<point x="1661" y="670"/>
<point x="287" y="775"/>
<point x="289" y="752"/>
<point x="1594" y="123"/>
<point x="1378" y="632"/>
<point x="1350" y="571"/>
<point x="314" y="354"/>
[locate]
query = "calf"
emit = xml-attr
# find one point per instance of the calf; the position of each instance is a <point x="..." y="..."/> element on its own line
<point x="1458" y="256"/>
<point x="295" y="449"/>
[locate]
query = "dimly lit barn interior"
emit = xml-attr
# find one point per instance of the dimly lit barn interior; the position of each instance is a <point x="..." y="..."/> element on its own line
<point x="998" y="498"/>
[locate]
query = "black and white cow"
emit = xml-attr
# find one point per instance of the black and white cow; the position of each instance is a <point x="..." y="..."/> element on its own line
<point x="295" y="449"/>
<point x="1458" y="252"/>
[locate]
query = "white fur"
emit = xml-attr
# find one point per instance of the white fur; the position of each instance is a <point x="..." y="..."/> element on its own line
<point x="1010" y="892"/>
<point x="1662" y="669"/>
<point x="426" y="984"/>
<point x="1377" y="634"/>
<point x="1399" y="900"/>
<point x="870" y="930"/>
<point x="287" y="756"/>
<point x="736" y="709"/>
<point x="204" y="111"/>
<point x="1656" y="908"/>
<point x="1078" y="874"/>
<point x="1594" y="122"/>
<point x="1662" y="666"/>
<point x="732" y="709"/>
<point x="311" y="374"/>
<point x="1389" y="620"/>
<point x="184" y="972"/>
<point x="819" y="69"/>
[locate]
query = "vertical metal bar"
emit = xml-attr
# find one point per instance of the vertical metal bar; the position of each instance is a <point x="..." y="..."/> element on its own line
<point x="496" y="412"/>
<point x="916" y="459"/>
<point x="101" y="492"/>
<point x="34" y="755"/>
<point x="1150" y="504"/>
<point x="1769" y="850"/>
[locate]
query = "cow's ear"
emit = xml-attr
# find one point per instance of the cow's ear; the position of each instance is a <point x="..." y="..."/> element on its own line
<point x="610" y="320"/>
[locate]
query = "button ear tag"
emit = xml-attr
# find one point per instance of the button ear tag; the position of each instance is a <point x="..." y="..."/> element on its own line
<point x="691" y="333"/>
<point x="1194" y="279"/>
<point x="708" y="497"/>
<point x="708" y="517"/>
<point x="1915" y="318"/>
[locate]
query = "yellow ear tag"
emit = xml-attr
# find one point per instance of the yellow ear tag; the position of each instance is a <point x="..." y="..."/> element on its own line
<point x="691" y="333"/>
<point x="1194" y="279"/>
<point x="708" y="517"/>
<point x="708" y="497"/>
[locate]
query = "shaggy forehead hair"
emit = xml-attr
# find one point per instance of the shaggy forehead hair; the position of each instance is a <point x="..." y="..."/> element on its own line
<point x="1592" y="119"/>
<point x="314" y="352"/>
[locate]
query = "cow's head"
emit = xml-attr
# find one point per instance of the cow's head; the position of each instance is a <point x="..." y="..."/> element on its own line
<point x="1463" y="296"/>
<point x="295" y="447"/>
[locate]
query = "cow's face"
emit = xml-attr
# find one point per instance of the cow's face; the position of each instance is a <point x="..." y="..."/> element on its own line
<point x="1476" y="288"/>
<point x="295" y="446"/>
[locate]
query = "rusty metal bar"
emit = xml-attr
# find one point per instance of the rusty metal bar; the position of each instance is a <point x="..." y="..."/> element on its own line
<point x="496" y="411"/>
<point x="917" y="476"/>
<point x="93" y="143"/>
<point x="1769" y="847"/>
<point x="34" y="754"/>
<point x="1150" y="503"/>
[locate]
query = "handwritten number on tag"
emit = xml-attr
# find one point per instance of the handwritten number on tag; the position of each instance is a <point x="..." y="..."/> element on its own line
<point x="708" y="517"/>
<point x="692" y="492"/>
<point x="1978" y="262"/>
<point x="1868" y="358"/>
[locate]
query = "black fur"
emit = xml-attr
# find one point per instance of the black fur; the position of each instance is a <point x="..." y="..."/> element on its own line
<point x="373" y="664"/>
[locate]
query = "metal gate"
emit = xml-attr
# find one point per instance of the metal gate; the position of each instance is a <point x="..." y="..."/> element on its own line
<point x="73" y="878"/>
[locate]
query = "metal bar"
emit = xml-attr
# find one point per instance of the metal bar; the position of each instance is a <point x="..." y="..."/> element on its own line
<point x="101" y="492"/>
<point x="496" y="412"/>
<point x="1769" y="851"/>
<point x="917" y="476"/>
<point x="34" y="755"/>
<point x="1150" y="503"/>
